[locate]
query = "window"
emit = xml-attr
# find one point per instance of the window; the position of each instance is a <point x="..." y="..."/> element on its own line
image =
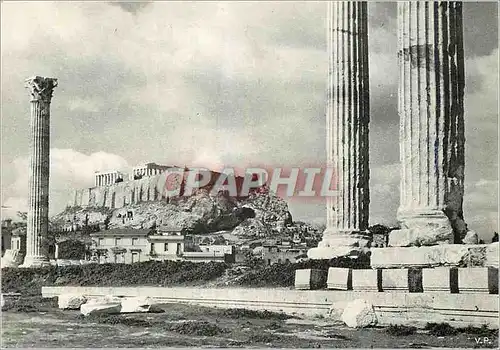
<point x="18" y="245"/>
<point x="178" y="249"/>
<point x="135" y="241"/>
<point x="100" y="242"/>
<point x="135" y="257"/>
<point x="165" y="247"/>
<point x="118" y="241"/>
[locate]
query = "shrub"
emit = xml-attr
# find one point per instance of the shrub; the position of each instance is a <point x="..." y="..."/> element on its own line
<point x="267" y="315"/>
<point x="195" y="328"/>
<point x="30" y="304"/>
<point x="440" y="329"/>
<point x="482" y="331"/>
<point x="401" y="330"/>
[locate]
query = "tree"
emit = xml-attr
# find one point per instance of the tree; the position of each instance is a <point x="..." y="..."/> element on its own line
<point x="23" y="215"/>
<point x="495" y="237"/>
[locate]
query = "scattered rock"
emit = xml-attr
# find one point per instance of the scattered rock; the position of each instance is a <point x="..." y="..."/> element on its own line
<point x="336" y="310"/>
<point x="71" y="302"/>
<point x="471" y="238"/>
<point x="138" y="304"/>
<point x="101" y="305"/>
<point x="358" y="314"/>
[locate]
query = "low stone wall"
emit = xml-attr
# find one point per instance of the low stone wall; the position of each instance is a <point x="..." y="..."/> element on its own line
<point x="390" y="307"/>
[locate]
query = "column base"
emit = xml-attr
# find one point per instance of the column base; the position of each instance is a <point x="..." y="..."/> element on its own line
<point x="340" y="243"/>
<point x="35" y="261"/>
<point x="422" y="227"/>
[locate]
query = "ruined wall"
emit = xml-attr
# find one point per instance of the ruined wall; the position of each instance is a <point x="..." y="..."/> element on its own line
<point x="120" y="194"/>
<point x="153" y="188"/>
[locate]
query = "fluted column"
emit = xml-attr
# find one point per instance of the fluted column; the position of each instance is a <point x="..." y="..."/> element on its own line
<point x="38" y="211"/>
<point x="431" y="111"/>
<point x="347" y="130"/>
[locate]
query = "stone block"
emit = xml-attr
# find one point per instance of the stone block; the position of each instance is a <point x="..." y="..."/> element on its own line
<point x="70" y="301"/>
<point x="428" y="256"/>
<point x="478" y="280"/>
<point x="339" y="278"/>
<point x="437" y="279"/>
<point x="359" y="313"/>
<point x="492" y="255"/>
<point x="419" y="237"/>
<point x="395" y="280"/>
<point x="365" y="280"/>
<point x="471" y="237"/>
<point x="310" y="279"/>
<point x="138" y="305"/>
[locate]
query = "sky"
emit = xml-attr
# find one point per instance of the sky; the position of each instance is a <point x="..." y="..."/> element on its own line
<point x="219" y="84"/>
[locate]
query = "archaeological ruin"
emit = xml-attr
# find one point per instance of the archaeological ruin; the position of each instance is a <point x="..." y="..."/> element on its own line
<point x="38" y="211"/>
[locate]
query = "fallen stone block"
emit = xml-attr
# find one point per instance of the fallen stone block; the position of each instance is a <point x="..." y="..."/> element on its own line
<point x="70" y="302"/>
<point x="139" y="304"/>
<point x="429" y="256"/>
<point x="420" y="237"/>
<point x="359" y="313"/>
<point x="310" y="279"/>
<point x="101" y="305"/>
<point x="339" y="278"/>
<point x="336" y="310"/>
<point x="365" y="280"/>
<point x="471" y="238"/>
<point x="395" y="280"/>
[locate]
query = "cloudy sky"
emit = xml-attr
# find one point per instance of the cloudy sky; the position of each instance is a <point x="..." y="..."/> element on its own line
<point x="213" y="84"/>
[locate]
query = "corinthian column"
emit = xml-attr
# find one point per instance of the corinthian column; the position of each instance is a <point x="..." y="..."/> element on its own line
<point x="431" y="112"/>
<point x="38" y="211"/>
<point x="347" y="122"/>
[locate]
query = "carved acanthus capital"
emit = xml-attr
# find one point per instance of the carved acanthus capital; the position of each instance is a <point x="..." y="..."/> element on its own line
<point x="41" y="88"/>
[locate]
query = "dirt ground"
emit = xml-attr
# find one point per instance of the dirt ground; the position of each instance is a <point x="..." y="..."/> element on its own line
<point x="193" y="326"/>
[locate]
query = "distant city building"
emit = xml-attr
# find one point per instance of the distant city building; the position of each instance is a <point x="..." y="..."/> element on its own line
<point x="272" y="253"/>
<point x="135" y="245"/>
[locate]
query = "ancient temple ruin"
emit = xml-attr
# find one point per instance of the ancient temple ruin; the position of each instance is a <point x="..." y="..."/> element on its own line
<point x="38" y="211"/>
<point x="348" y="109"/>
<point x="431" y="112"/>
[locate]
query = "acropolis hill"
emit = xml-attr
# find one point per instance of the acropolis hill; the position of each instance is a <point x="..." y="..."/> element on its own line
<point x="143" y="203"/>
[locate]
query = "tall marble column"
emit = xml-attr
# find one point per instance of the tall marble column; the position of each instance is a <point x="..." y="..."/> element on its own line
<point x="431" y="112"/>
<point x="38" y="212"/>
<point x="347" y="123"/>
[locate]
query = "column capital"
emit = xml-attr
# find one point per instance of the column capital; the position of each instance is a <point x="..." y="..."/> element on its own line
<point x="41" y="88"/>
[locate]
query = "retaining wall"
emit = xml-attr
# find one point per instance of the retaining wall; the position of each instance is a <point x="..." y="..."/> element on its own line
<point x="390" y="307"/>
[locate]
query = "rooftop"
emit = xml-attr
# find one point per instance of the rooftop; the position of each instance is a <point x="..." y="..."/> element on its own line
<point x="122" y="232"/>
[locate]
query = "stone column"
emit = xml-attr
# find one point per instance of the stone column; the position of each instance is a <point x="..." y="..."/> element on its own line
<point x="347" y="122"/>
<point x="38" y="211"/>
<point x="431" y="112"/>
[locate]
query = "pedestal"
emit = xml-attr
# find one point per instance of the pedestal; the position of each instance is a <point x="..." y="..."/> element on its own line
<point x="310" y="279"/>
<point x="35" y="261"/>
<point x="365" y="280"/>
<point x="339" y="278"/>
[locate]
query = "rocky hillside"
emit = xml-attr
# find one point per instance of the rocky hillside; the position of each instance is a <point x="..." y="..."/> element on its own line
<point x="200" y="213"/>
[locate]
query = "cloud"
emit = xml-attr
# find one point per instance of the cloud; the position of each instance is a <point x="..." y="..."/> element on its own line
<point x="227" y="83"/>
<point x="69" y="169"/>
